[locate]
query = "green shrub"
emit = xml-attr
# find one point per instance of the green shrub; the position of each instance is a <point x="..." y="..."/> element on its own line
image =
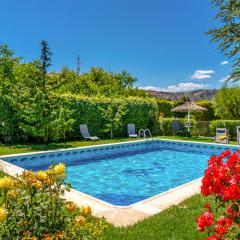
<point x="166" y="125"/>
<point x="102" y="114"/>
<point x="205" y="115"/>
<point x="202" y="129"/>
<point x="165" y="108"/>
<point x="226" y="103"/>
<point x="231" y="126"/>
<point x="33" y="208"/>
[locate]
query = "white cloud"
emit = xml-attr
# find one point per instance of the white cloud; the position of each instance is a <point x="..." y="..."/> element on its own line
<point x="224" y="63"/>
<point x="202" y="74"/>
<point x="222" y="80"/>
<point x="181" y="87"/>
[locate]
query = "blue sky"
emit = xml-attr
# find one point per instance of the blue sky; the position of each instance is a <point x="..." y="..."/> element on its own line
<point x="163" y="43"/>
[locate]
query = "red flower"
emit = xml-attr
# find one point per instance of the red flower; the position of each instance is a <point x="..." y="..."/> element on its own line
<point x="215" y="161"/>
<point x="213" y="237"/>
<point x="222" y="226"/>
<point x="231" y="192"/>
<point x="229" y="209"/>
<point x="207" y="206"/>
<point x="226" y="153"/>
<point x="222" y="180"/>
<point x="205" y="220"/>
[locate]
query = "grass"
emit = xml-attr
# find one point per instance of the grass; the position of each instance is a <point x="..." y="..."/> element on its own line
<point x="175" y="223"/>
<point x="30" y="147"/>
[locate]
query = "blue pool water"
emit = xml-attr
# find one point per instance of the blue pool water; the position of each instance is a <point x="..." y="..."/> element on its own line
<point x="124" y="174"/>
<point x="129" y="178"/>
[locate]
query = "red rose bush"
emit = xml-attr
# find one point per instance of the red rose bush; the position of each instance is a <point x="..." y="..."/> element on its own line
<point x="222" y="180"/>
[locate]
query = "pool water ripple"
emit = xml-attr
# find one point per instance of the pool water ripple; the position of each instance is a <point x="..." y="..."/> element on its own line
<point x="124" y="180"/>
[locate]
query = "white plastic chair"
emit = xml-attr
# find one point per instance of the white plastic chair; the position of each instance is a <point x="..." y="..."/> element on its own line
<point x="132" y="130"/>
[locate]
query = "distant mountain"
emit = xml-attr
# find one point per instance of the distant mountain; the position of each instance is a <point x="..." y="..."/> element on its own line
<point x="192" y="95"/>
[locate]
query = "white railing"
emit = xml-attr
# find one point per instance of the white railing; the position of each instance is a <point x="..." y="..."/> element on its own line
<point x="143" y="132"/>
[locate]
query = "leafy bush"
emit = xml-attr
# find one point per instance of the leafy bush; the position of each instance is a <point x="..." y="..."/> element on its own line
<point x="222" y="179"/>
<point x="104" y="115"/>
<point x="202" y="129"/>
<point x="34" y="208"/>
<point x="166" y="125"/>
<point x="231" y="126"/>
<point x="227" y="102"/>
<point x="165" y="107"/>
<point x="205" y="115"/>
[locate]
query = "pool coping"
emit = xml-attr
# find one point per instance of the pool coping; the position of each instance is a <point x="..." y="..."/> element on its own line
<point x="121" y="216"/>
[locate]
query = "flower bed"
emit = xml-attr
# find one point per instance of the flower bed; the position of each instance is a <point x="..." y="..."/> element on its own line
<point x="33" y="208"/>
<point x="222" y="180"/>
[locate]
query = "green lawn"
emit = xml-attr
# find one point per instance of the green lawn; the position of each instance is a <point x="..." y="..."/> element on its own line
<point x="175" y="223"/>
<point x="30" y="147"/>
<point x="22" y="148"/>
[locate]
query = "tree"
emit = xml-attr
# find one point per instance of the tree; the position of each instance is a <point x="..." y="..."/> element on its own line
<point x="228" y="34"/>
<point x="43" y="116"/>
<point x="226" y="103"/>
<point x="9" y="98"/>
<point x="100" y="82"/>
<point x="45" y="58"/>
<point x="113" y="117"/>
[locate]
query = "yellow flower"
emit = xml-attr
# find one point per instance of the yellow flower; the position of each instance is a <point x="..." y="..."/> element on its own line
<point x="41" y="175"/>
<point x="37" y="184"/>
<point x="11" y="194"/>
<point x="47" y="237"/>
<point x="80" y="220"/>
<point x="85" y="211"/>
<point x="6" y="182"/>
<point x="28" y="175"/>
<point x="59" y="235"/>
<point x="3" y="214"/>
<point x="29" y="238"/>
<point x="71" y="207"/>
<point x="59" y="169"/>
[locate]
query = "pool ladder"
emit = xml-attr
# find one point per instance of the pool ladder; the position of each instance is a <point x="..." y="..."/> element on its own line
<point x="143" y="132"/>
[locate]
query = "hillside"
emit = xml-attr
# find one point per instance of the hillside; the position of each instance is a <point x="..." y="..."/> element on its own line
<point x="193" y="95"/>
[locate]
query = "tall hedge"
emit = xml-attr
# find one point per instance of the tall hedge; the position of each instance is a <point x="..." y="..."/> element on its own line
<point x="165" y="107"/>
<point x="231" y="126"/>
<point x="207" y="115"/>
<point x="89" y="110"/>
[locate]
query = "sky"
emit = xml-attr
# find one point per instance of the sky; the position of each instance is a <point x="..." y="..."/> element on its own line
<point x="162" y="43"/>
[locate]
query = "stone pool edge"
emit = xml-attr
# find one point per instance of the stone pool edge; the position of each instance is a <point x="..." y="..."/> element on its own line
<point x="122" y="216"/>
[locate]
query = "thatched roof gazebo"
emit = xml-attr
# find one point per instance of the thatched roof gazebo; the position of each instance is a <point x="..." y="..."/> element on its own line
<point x="188" y="107"/>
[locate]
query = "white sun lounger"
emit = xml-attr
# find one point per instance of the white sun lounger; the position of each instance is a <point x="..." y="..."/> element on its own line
<point x="221" y="136"/>
<point x="85" y="133"/>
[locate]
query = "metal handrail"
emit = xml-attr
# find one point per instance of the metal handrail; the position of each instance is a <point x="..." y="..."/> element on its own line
<point x="139" y="133"/>
<point x="147" y="130"/>
<point x="144" y="131"/>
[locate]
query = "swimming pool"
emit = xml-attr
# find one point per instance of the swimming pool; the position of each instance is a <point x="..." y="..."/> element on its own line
<point x="126" y="173"/>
